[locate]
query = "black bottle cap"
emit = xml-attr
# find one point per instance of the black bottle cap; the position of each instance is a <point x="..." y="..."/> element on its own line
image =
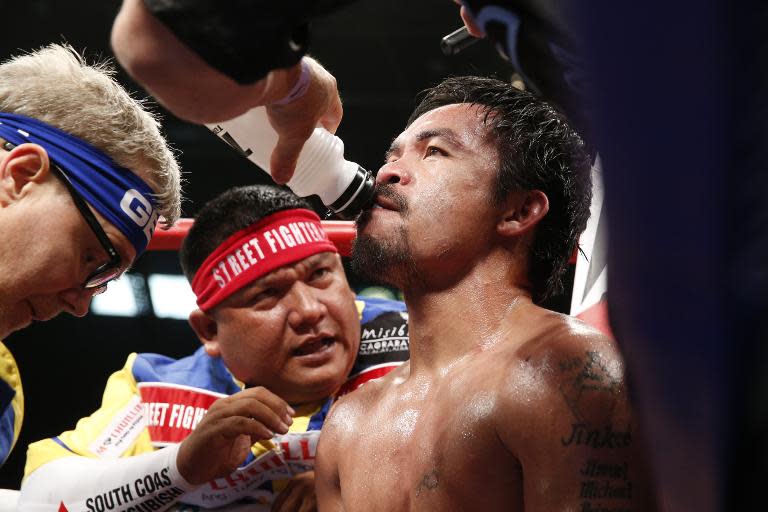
<point x="359" y="195"/>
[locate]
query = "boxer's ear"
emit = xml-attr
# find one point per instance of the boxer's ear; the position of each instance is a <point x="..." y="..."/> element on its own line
<point x="22" y="166"/>
<point x="206" y="329"/>
<point x="521" y="212"/>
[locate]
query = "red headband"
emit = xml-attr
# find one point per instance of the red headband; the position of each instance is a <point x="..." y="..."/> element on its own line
<point x="275" y="241"/>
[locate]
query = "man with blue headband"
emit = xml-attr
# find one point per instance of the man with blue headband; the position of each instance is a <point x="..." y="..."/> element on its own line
<point x="84" y="177"/>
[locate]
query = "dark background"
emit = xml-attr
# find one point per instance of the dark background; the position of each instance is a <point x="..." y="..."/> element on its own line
<point x="382" y="53"/>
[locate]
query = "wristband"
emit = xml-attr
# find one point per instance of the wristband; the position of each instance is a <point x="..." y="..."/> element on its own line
<point x="299" y="88"/>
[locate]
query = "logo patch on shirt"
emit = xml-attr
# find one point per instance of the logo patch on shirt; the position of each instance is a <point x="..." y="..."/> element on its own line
<point x="124" y="428"/>
<point x="172" y="411"/>
<point x="383" y="340"/>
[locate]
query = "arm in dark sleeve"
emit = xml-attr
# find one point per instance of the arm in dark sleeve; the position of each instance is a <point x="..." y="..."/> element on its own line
<point x="540" y="40"/>
<point x="244" y="39"/>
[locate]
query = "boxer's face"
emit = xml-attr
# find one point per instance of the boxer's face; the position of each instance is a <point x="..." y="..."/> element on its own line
<point x="435" y="205"/>
<point x="49" y="249"/>
<point x="295" y="331"/>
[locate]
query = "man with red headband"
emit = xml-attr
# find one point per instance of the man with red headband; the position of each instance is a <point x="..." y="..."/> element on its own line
<point x="238" y="420"/>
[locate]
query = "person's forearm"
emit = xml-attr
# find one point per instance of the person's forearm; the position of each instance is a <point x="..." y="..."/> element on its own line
<point x="179" y="79"/>
<point x="150" y="480"/>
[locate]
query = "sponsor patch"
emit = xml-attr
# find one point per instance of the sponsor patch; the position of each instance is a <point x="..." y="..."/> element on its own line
<point x="147" y="493"/>
<point x="293" y="453"/>
<point x="383" y="340"/>
<point x="121" y="432"/>
<point x="298" y="450"/>
<point x="172" y="411"/>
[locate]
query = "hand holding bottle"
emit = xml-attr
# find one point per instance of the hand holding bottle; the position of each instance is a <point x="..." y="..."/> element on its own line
<point x="320" y="168"/>
<point x="316" y="103"/>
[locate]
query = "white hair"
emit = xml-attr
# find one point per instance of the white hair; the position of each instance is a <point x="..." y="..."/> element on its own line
<point x="55" y="85"/>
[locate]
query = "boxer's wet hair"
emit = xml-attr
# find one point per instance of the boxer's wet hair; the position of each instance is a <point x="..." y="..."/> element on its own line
<point x="228" y="213"/>
<point x="537" y="150"/>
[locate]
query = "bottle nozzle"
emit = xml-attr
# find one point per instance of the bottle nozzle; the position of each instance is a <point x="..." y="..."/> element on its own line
<point x="358" y="195"/>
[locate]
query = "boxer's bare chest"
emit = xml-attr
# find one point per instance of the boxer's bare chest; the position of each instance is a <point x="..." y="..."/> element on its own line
<point x="431" y="444"/>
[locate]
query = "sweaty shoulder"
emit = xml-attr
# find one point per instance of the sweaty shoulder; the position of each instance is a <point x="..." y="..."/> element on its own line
<point x="566" y="373"/>
<point x="353" y="409"/>
<point x="348" y="417"/>
<point x="565" y="415"/>
<point x="562" y="339"/>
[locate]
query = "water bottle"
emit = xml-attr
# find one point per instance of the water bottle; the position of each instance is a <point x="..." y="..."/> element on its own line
<point x="344" y="187"/>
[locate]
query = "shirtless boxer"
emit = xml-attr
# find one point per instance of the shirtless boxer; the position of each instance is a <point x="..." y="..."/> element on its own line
<point x="504" y="405"/>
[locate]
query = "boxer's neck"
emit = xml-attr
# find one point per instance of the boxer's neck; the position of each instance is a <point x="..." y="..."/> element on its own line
<point x="480" y="310"/>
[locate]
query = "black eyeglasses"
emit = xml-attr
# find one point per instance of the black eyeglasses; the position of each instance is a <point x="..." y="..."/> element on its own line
<point x="106" y="272"/>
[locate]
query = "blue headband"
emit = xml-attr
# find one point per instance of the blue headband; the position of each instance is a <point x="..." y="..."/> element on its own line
<point x="123" y="198"/>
